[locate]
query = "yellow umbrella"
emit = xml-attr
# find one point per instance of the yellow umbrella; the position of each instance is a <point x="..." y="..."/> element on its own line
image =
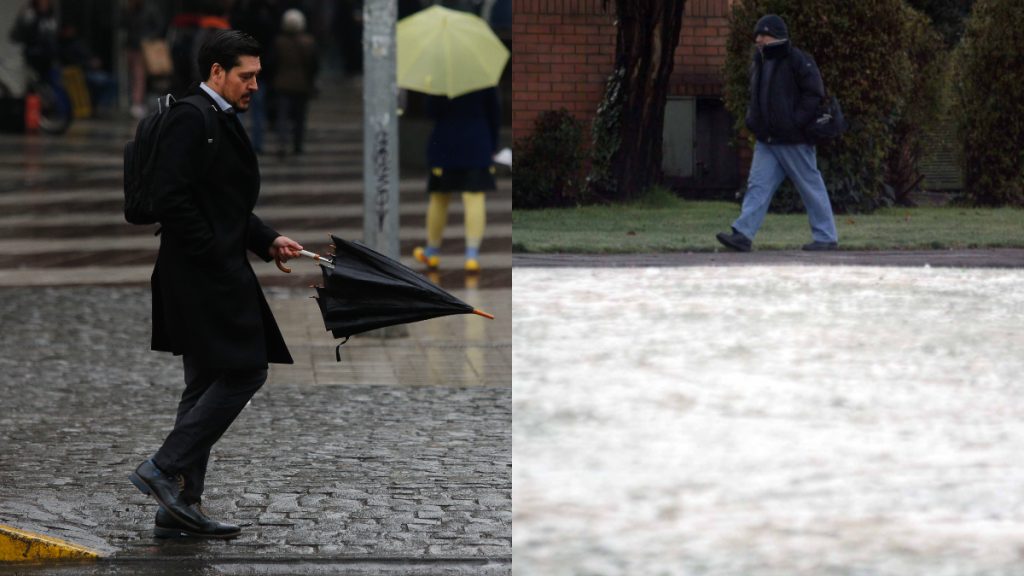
<point x="448" y="53"/>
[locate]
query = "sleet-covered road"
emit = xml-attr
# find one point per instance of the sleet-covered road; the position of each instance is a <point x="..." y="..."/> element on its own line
<point x="768" y="420"/>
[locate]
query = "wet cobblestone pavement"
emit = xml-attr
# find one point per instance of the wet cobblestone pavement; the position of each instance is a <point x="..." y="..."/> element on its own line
<point x="351" y="469"/>
<point x="768" y="421"/>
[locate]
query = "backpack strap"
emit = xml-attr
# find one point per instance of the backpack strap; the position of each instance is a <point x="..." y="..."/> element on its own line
<point x="163" y="104"/>
<point x="209" y="110"/>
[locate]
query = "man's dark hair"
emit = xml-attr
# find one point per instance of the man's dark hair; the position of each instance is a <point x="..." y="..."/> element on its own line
<point x="224" y="47"/>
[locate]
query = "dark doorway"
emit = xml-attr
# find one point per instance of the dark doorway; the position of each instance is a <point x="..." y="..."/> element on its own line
<point x="716" y="165"/>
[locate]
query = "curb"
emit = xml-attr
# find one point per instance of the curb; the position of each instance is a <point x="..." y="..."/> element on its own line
<point x="296" y="566"/>
<point x="19" y="545"/>
<point x="967" y="258"/>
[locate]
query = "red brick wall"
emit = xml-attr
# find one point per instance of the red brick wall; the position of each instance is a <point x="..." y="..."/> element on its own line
<point x="563" y="51"/>
<point x="700" y="57"/>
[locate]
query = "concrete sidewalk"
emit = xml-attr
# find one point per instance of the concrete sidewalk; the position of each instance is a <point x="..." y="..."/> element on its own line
<point x="395" y="461"/>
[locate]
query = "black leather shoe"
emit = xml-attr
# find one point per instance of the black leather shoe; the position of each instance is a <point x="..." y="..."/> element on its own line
<point x="168" y="527"/>
<point x="735" y="241"/>
<point x="166" y="489"/>
<point x="817" y="246"/>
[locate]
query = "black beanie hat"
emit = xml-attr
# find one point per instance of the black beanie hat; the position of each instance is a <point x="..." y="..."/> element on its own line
<point x="772" y="25"/>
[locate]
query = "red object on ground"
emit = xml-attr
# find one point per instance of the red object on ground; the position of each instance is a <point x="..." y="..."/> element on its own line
<point x="32" y="112"/>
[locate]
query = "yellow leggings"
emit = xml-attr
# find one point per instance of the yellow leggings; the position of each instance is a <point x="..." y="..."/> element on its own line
<point x="473" y="204"/>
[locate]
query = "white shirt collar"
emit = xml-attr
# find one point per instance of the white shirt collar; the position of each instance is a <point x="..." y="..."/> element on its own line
<point x="221" y="102"/>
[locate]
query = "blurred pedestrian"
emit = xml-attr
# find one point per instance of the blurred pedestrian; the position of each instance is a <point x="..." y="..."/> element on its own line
<point x="407" y="8"/>
<point x="197" y="20"/>
<point x="348" y="24"/>
<point x="207" y="303"/>
<point x="471" y="6"/>
<point x="140" y="20"/>
<point x="74" y="52"/>
<point x="35" y="28"/>
<point x="460" y="155"/>
<point x="295" y="69"/>
<point x="259" y="19"/>
<point x="785" y="92"/>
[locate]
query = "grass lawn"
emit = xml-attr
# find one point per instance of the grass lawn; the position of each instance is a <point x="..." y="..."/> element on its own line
<point x="667" y="224"/>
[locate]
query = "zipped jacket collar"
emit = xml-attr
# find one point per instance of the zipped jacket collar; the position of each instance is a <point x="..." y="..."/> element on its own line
<point x="775" y="50"/>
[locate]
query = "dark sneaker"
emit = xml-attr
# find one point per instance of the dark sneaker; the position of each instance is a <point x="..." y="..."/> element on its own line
<point x="735" y="241"/>
<point x="817" y="246"/>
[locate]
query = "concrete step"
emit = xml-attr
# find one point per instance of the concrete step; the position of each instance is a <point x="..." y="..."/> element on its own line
<point x="346" y="210"/>
<point x="11" y="201"/>
<point x="304" y="272"/>
<point x="21" y="247"/>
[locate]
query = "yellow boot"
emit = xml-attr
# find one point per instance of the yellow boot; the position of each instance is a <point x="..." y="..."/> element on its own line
<point x="420" y="254"/>
<point x="476" y="220"/>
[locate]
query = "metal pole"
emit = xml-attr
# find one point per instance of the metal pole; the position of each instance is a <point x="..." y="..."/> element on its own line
<point x="380" y="136"/>
<point x="380" y="128"/>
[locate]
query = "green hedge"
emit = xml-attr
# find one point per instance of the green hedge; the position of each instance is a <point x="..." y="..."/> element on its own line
<point x="549" y="163"/>
<point x="924" y="75"/>
<point x="864" y="52"/>
<point x="990" y="89"/>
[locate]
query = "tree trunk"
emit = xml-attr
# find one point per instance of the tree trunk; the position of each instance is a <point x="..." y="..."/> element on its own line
<point x="629" y="124"/>
<point x="902" y="172"/>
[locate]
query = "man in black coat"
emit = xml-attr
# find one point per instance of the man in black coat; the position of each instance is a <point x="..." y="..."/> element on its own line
<point x="785" y="92"/>
<point x="207" y="304"/>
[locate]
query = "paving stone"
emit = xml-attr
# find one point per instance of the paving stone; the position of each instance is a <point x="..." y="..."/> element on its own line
<point x="287" y="503"/>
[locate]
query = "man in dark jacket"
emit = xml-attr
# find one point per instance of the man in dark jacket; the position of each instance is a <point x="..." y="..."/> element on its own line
<point x="207" y="303"/>
<point x="785" y="91"/>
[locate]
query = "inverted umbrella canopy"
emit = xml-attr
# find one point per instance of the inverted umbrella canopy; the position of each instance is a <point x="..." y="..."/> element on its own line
<point x="449" y="53"/>
<point x="366" y="290"/>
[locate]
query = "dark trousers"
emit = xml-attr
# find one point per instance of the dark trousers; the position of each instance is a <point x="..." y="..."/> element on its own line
<point x="210" y="403"/>
<point x="291" y="113"/>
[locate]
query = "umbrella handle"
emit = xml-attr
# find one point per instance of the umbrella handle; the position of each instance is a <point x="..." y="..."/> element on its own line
<point x="320" y="259"/>
<point x="484" y="314"/>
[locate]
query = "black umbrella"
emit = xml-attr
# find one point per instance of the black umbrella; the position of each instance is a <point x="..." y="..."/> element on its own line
<point x="365" y="290"/>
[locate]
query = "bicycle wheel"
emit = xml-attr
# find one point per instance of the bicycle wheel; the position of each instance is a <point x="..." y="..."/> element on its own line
<point x="54" y="111"/>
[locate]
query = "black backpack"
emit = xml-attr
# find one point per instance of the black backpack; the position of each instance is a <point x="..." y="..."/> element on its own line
<point x="140" y="156"/>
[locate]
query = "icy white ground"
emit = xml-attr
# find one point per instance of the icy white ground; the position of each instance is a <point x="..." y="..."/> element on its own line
<point x="768" y="420"/>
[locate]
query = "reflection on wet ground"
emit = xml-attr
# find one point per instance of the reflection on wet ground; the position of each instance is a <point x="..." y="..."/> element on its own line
<point x="768" y="420"/>
<point x="458" y="350"/>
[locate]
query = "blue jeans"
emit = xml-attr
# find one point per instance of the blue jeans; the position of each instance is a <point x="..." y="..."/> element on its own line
<point x="772" y="164"/>
<point x="257" y="112"/>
